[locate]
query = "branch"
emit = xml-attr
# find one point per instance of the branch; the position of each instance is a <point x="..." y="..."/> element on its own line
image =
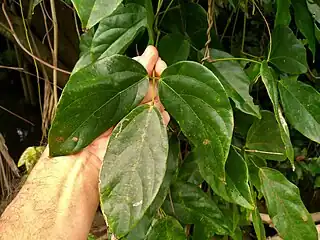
<point x="24" y="49"/>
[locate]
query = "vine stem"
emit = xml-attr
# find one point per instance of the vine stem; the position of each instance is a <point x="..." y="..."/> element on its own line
<point x="233" y="59"/>
<point x="26" y="50"/>
<point x="160" y="2"/>
<point x="268" y="28"/>
<point x="55" y="51"/>
<point x="16" y="115"/>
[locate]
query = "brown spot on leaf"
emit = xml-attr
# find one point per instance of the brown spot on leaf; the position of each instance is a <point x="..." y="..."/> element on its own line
<point x="75" y="139"/>
<point x="300" y="158"/>
<point x="206" y="142"/>
<point x="59" y="139"/>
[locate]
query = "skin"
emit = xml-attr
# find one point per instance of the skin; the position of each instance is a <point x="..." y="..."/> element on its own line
<point x="60" y="197"/>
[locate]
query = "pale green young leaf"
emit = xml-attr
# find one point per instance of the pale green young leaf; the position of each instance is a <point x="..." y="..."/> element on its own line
<point x="133" y="168"/>
<point x="195" y="98"/>
<point x="301" y="105"/>
<point x="285" y="207"/>
<point x="96" y="98"/>
<point x="235" y="81"/>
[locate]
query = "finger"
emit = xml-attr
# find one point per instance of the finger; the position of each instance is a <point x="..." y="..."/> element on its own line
<point x="99" y="145"/>
<point x="160" y="67"/>
<point x="165" y="118"/>
<point x="148" y="59"/>
<point x="152" y="91"/>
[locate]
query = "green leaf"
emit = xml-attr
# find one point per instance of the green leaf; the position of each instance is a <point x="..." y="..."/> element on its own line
<point x="258" y="225"/>
<point x="133" y="168"/>
<point x="86" y="41"/>
<point x="92" y="11"/>
<point x="167" y="228"/>
<point x="254" y="164"/>
<point x="283" y="16"/>
<point x="270" y="83"/>
<point x="118" y="30"/>
<point x="234" y="80"/>
<point x="305" y="23"/>
<point x="95" y="99"/>
<point x="236" y="188"/>
<point x="139" y="232"/>
<point x="193" y="95"/>
<point x="314" y="9"/>
<point x="301" y="105"/>
<point x="30" y="157"/>
<point x="174" y="48"/>
<point x="189" y="171"/>
<point x="147" y="4"/>
<point x="191" y="205"/>
<point x="288" y="214"/>
<point x="290" y="57"/>
<point x="264" y="139"/>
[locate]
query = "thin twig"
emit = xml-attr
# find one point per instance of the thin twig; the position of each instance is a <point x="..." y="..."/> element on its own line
<point x="55" y="51"/>
<point x="232" y="59"/>
<point x="16" y="115"/>
<point x="24" y="49"/>
<point x="269" y="31"/>
<point x="47" y="35"/>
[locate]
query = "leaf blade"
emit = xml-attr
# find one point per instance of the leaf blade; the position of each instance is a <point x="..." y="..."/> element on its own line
<point x="301" y="104"/>
<point x="271" y="85"/>
<point x="133" y="168"/>
<point x="284" y="202"/>
<point x="197" y="100"/>
<point x="106" y="93"/>
<point x="118" y="30"/>
<point x="235" y="81"/>
<point x="290" y="57"/>
<point x="92" y="11"/>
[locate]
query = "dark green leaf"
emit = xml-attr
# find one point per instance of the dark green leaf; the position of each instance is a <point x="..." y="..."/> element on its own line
<point x="86" y="41"/>
<point x="92" y="11"/>
<point x="254" y="164"/>
<point x="237" y="234"/>
<point x="236" y="188"/>
<point x="167" y="228"/>
<point x="196" y="99"/>
<point x="270" y="83"/>
<point x="189" y="171"/>
<point x="141" y="229"/>
<point x="301" y="104"/>
<point x="147" y="4"/>
<point x="253" y="72"/>
<point x="258" y="225"/>
<point x="118" y="30"/>
<point x="234" y="80"/>
<point x="242" y="122"/>
<point x="264" y="139"/>
<point x="288" y="214"/>
<point x="190" y="205"/>
<point x="291" y="56"/>
<point x="283" y="16"/>
<point x="174" y="48"/>
<point x="133" y="168"/>
<point x="304" y="22"/>
<point x="95" y="99"/>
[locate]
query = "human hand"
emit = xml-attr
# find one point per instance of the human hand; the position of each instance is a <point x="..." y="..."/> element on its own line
<point x="154" y="65"/>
